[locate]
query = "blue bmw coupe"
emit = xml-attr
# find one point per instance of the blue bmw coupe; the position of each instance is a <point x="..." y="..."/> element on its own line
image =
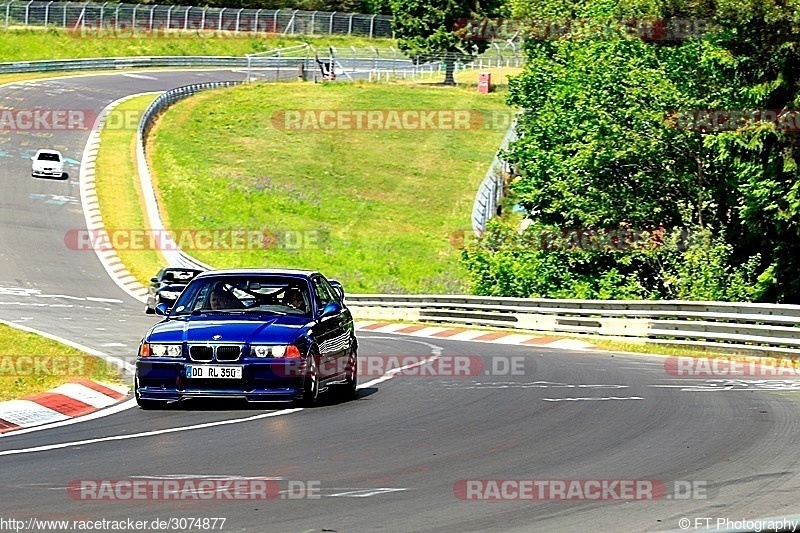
<point x="257" y="334"/>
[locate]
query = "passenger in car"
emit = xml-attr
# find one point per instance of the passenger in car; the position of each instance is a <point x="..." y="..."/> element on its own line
<point x="294" y="298"/>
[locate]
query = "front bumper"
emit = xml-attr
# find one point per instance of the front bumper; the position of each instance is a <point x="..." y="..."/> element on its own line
<point x="261" y="382"/>
<point x="47" y="173"/>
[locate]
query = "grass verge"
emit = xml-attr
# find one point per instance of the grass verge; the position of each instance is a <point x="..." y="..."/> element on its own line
<point x="119" y="192"/>
<point x="30" y="363"/>
<point x="378" y="208"/>
<point x="38" y="44"/>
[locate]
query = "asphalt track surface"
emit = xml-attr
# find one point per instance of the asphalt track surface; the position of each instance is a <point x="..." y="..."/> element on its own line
<point x="392" y="459"/>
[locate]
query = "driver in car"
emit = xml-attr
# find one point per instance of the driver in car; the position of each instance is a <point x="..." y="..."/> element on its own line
<point x="222" y="299"/>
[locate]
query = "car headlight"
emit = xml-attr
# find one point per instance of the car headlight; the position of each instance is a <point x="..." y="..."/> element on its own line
<point x="289" y="351"/>
<point x="170" y="295"/>
<point x="160" y="350"/>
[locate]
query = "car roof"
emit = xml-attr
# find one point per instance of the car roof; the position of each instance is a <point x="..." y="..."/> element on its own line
<point x="259" y="271"/>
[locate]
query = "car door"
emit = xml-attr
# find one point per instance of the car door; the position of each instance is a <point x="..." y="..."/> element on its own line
<point x="331" y="339"/>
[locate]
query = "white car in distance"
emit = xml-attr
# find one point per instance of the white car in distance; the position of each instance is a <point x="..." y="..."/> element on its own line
<point x="47" y="164"/>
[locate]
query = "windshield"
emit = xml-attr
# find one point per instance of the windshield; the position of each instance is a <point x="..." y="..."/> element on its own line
<point x="245" y="294"/>
<point x="48" y="156"/>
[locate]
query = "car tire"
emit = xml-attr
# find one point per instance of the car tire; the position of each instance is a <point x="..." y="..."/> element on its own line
<point x="146" y="404"/>
<point x="149" y="310"/>
<point x="348" y="389"/>
<point x="311" y="384"/>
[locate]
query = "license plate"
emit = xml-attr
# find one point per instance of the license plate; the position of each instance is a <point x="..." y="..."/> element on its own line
<point x="213" y="372"/>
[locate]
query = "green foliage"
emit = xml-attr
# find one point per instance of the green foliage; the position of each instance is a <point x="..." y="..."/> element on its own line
<point x="604" y="146"/>
<point x="435" y="29"/>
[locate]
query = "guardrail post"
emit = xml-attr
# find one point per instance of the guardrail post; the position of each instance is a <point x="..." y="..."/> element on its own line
<point x="353" y="48"/>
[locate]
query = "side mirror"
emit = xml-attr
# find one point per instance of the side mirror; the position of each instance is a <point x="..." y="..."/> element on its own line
<point x="338" y="288"/>
<point x="153" y="280"/>
<point x="333" y="308"/>
<point x="162" y="309"/>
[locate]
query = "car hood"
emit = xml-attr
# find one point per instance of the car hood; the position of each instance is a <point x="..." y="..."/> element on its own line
<point x="241" y="329"/>
<point x="48" y="164"/>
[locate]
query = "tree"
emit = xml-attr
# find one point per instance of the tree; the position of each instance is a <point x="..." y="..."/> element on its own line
<point x="441" y="29"/>
<point x="600" y="149"/>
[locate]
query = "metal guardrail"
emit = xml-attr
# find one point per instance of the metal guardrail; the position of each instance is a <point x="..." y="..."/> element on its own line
<point x="114" y="63"/>
<point x="738" y="327"/>
<point x="492" y="188"/>
<point x="171" y="251"/>
<point x="124" y="20"/>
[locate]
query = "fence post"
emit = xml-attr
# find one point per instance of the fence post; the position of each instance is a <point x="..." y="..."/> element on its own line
<point x="275" y="21"/>
<point x="312" y="22"/>
<point x="27" y="9"/>
<point x="47" y="13"/>
<point x="150" y="24"/>
<point x="219" y="23"/>
<point x="203" y="20"/>
<point x="350" y="24"/>
<point x="133" y="19"/>
<point x="169" y="17"/>
<point x="238" y="17"/>
<point x="255" y="21"/>
<point x="116" y="18"/>
<point x="372" y="25"/>
<point x="330" y="27"/>
<point x="102" y="13"/>
<point x="8" y="9"/>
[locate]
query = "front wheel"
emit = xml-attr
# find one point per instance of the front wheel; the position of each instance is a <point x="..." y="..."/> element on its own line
<point x="311" y="383"/>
